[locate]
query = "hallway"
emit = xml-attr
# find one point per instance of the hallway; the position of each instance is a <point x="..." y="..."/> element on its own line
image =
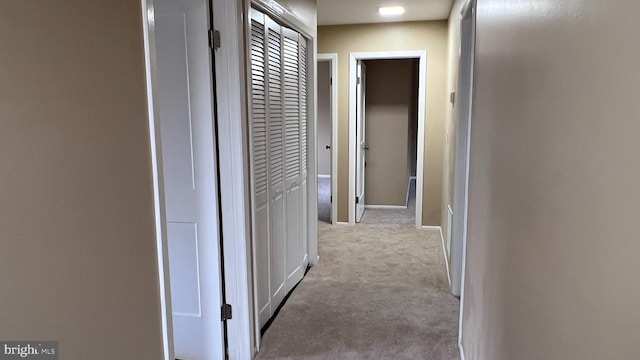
<point x="378" y="292"/>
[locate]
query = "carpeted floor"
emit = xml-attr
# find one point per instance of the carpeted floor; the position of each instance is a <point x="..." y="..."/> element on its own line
<point x="395" y="216"/>
<point x="378" y="292"/>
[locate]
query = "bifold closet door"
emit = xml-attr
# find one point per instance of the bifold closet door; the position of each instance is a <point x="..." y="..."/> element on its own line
<point x="293" y="199"/>
<point x="259" y="158"/>
<point x="276" y="163"/>
<point x="278" y="131"/>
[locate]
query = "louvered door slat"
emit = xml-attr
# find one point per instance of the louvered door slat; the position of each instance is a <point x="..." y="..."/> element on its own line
<point x="303" y="104"/>
<point x="276" y="134"/>
<point x="291" y="108"/>
<point x="259" y="110"/>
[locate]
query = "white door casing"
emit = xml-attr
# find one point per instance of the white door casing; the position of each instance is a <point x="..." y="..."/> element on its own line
<point x="184" y="75"/>
<point x="361" y="142"/>
<point x="353" y="159"/>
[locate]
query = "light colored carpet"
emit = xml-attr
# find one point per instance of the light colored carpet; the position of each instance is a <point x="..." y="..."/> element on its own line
<point x="396" y="216"/>
<point x="378" y="292"/>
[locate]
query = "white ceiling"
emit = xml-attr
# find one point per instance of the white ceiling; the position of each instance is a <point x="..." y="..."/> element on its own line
<point x="334" y="12"/>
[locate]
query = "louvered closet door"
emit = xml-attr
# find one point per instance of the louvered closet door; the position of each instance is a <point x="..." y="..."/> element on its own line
<point x="276" y="163"/>
<point x="259" y="158"/>
<point x="304" y="121"/>
<point x="292" y="158"/>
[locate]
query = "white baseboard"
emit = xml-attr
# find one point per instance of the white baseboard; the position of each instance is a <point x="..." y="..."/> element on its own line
<point x="427" y="227"/>
<point x="324" y="176"/>
<point x="386" y="207"/>
<point x="446" y="260"/>
<point x="444" y="251"/>
<point x="461" y="348"/>
<point x="342" y="223"/>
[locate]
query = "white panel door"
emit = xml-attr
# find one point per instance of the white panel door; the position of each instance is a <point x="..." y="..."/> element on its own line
<point x="189" y="172"/>
<point x="292" y="165"/>
<point x="259" y="161"/>
<point x="276" y="163"/>
<point x="361" y="143"/>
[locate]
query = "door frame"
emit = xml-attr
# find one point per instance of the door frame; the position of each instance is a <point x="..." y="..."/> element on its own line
<point x="421" y="55"/>
<point x="461" y="174"/>
<point x="332" y="58"/>
<point x="229" y="92"/>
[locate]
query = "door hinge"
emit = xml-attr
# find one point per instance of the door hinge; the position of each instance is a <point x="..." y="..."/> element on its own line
<point x="357" y="200"/>
<point x="331" y="199"/>
<point x="330" y="81"/>
<point x="226" y="312"/>
<point x="452" y="98"/>
<point x="358" y="80"/>
<point x="214" y="39"/>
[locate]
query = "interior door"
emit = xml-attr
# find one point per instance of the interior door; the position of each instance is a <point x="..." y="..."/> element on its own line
<point x="184" y="75"/>
<point x="361" y="143"/>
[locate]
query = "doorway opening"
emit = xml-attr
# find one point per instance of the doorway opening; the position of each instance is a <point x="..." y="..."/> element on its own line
<point x="389" y="121"/>
<point x="327" y="136"/>
<point x="392" y="190"/>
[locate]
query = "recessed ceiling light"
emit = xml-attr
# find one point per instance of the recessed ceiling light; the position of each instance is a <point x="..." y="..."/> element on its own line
<point x="391" y="10"/>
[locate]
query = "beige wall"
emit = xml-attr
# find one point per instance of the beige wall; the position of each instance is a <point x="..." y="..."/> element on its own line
<point x="324" y="117"/>
<point x="553" y="248"/>
<point x="429" y="36"/>
<point x="77" y="248"/>
<point x="387" y="114"/>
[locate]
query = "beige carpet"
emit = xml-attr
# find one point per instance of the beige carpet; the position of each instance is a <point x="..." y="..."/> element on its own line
<point x="378" y="292"/>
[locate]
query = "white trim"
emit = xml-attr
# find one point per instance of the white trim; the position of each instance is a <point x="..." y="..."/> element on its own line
<point x="446" y="259"/>
<point x="461" y="348"/>
<point x="231" y="109"/>
<point x="412" y="177"/>
<point x="473" y="7"/>
<point x="444" y="249"/>
<point x="324" y="176"/>
<point x="385" y="207"/>
<point x="422" y="75"/>
<point x="430" y="227"/>
<point x="342" y="223"/>
<point x="162" y="247"/>
<point x="333" y="60"/>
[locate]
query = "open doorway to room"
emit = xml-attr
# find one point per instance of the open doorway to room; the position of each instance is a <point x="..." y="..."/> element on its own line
<point x="386" y="118"/>
<point x="327" y="134"/>
<point x="390" y="123"/>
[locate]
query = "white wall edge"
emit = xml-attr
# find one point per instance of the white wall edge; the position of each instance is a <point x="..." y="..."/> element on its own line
<point x="385" y="207"/>
<point x="422" y="76"/>
<point x="232" y="141"/>
<point x="162" y="247"/>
